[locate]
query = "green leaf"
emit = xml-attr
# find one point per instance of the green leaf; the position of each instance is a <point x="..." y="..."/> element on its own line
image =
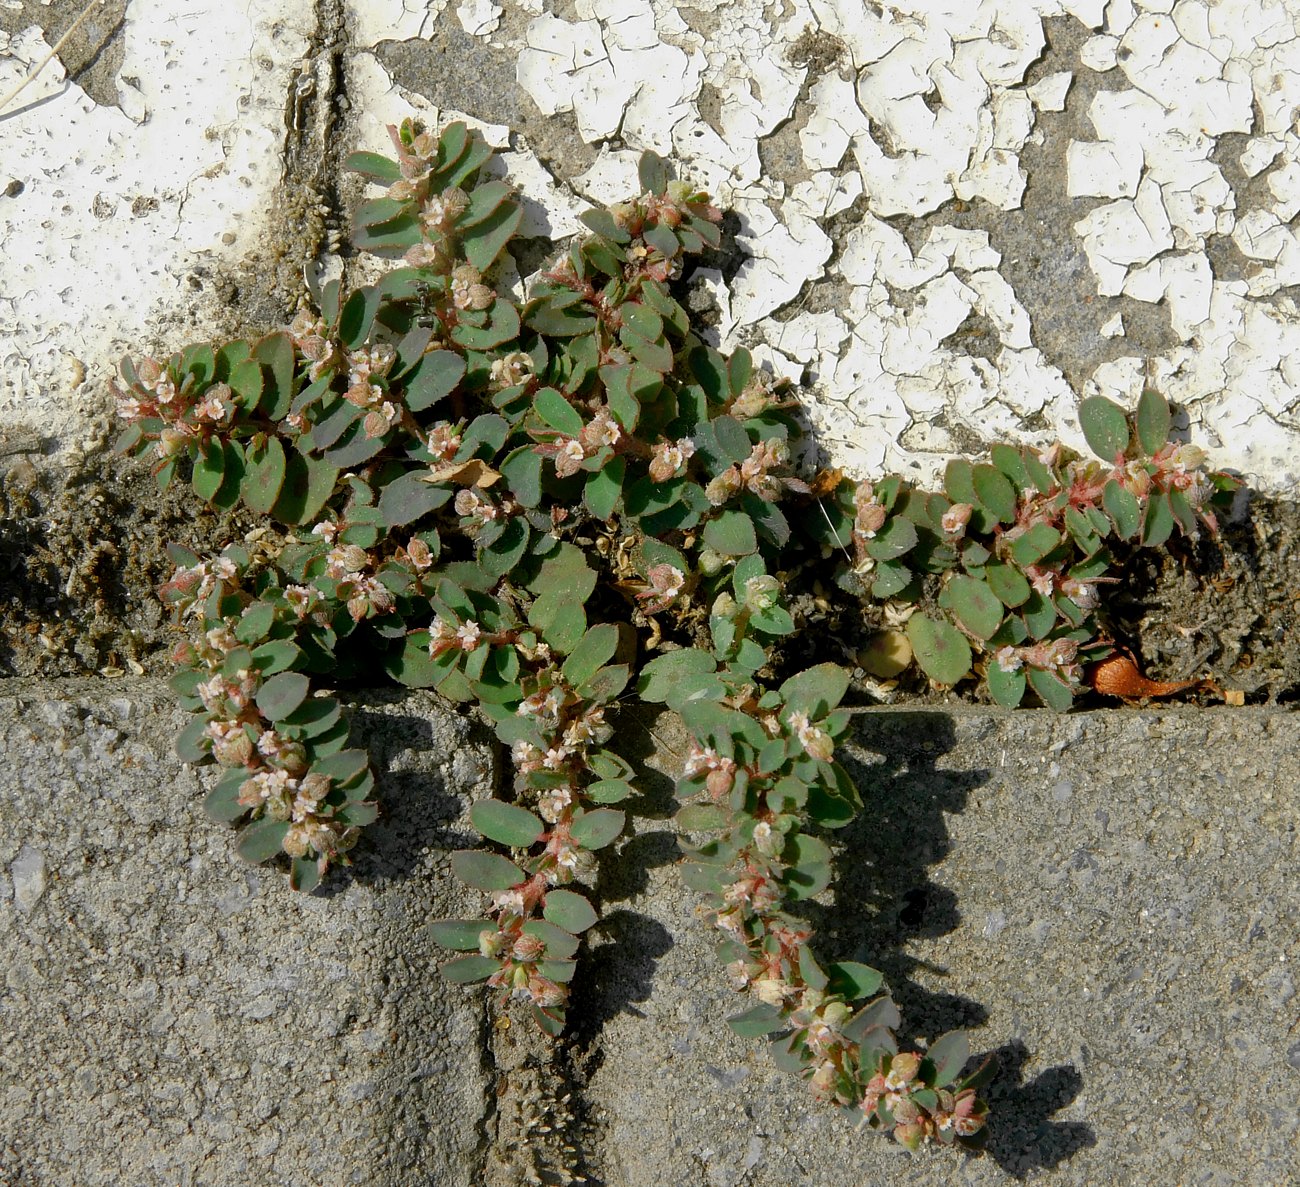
<point x="974" y="605"/>
<point x="661" y="674"/>
<point x="209" y="469"/>
<point x="739" y="368"/>
<point x="604" y="488"/>
<point x="890" y="578"/>
<point x="522" y="470"/>
<point x="597" y="647"/>
<point x="262" y="840"/>
<point x="561" y="314"/>
<point x="308" y="484"/>
<point x="608" y="791"/>
<point x="199" y="361"/>
<point x="282" y="694"/>
<point x="896" y="538"/>
<point x="373" y="166"/>
<point x="881" y="1015"/>
<point x="654" y="353"/>
<point x="995" y="492"/>
<point x="332" y="425"/>
<point x="660" y="236"/>
<point x="816" y="691"/>
<point x="1035" y="544"/>
<point x="1039" y="474"/>
<point x="409" y="498"/>
<point x="485" y="871"/>
<point x="1055" y="692"/>
<point x="702" y="818"/>
<point x="486" y="240"/>
<point x="501" y="326"/>
<point x="460" y="935"/>
<point x="597" y="828"/>
<point x="603" y="224"/>
<point x="940" y="649"/>
<point x="854" y="981"/>
<point x="550" y="1021"/>
<point x="466" y="969"/>
<point x="1153" y="422"/>
<point x="949" y="1055"/>
<point x="566" y="628"/>
<point x="246" y="383"/>
<point x="263" y="476"/>
<point x="358" y="315"/>
<point x="484" y="201"/>
<point x="507" y="824"/>
<point x="1123" y="508"/>
<point x="731" y="534"/>
<point x="1158" y="525"/>
<point x="644" y="320"/>
<point x="1105" y="427"/>
<point x="276" y="656"/>
<point x="434" y="377"/>
<point x="1007" y="688"/>
<point x="507" y="550"/>
<point x="757" y="1021"/>
<point x="304" y="874"/>
<point x="280" y="367"/>
<point x="222" y="802"/>
<point x="1039" y="614"/>
<point x="385" y="227"/>
<point x="354" y="447"/>
<point x="557" y="412"/>
<point x="255" y="622"/>
<point x="652" y="173"/>
<point x="560" y="945"/>
<point x="568" y="910"/>
<point x="1011" y="462"/>
<point x="1008" y="583"/>
<point x="809" y="870"/>
<point x="343" y="768"/>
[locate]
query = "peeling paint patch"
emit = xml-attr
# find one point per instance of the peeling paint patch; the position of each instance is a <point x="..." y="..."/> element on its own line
<point x="118" y="209"/>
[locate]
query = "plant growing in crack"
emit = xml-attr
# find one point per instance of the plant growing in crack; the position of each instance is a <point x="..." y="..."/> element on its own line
<point x="533" y="506"/>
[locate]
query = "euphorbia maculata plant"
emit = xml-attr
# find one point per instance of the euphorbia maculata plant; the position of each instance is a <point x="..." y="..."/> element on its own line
<point x="536" y="505"/>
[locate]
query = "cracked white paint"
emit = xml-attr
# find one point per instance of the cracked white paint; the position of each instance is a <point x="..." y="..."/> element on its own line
<point x="118" y="208"/>
<point x="1050" y="91"/>
<point x="931" y="102"/>
<point x="928" y="104"/>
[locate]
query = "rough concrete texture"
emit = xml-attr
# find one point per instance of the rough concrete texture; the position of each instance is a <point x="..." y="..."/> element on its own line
<point x="1106" y="900"/>
<point x="171" y="1016"/>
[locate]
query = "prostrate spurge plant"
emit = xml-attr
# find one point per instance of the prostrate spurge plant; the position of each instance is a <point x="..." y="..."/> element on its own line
<point x="528" y="505"/>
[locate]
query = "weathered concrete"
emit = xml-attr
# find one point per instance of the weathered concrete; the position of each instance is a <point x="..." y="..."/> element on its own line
<point x="1106" y="899"/>
<point x="1109" y="902"/>
<point x="170" y="1015"/>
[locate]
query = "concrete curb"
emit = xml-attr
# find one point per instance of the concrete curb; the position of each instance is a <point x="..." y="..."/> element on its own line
<point x="1106" y="899"/>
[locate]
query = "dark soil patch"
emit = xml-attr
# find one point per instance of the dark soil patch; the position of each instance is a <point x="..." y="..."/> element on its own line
<point x="82" y="552"/>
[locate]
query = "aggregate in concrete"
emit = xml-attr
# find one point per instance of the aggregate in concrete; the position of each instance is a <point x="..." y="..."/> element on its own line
<point x="1106" y="901"/>
<point x="169" y="1015"/>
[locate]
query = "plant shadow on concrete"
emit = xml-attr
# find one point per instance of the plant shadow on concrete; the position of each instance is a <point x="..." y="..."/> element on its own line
<point x="542" y="507"/>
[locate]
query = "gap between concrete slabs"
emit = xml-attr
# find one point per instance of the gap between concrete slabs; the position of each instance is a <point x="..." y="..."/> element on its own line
<point x="1105" y="899"/>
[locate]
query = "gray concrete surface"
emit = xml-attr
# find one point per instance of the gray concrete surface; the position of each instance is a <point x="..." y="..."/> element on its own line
<point x="1107" y="900"/>
<point x="172" y="1016"/>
